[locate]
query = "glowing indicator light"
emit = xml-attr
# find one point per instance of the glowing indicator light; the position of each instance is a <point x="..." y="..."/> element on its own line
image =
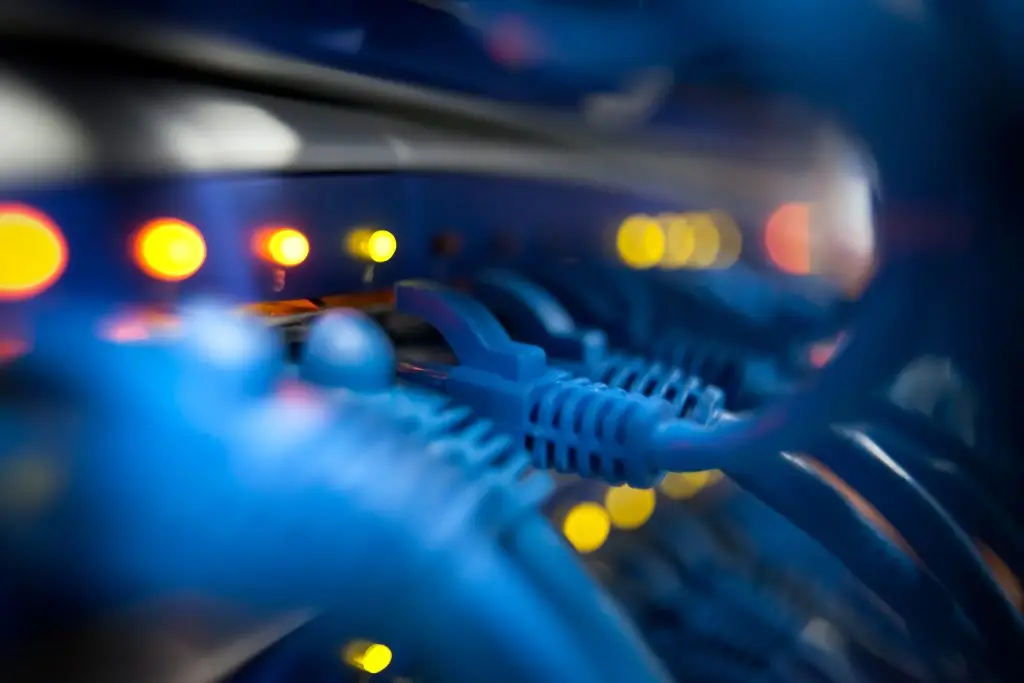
<point x="629" y="508"/>
<point x="680" y="242"/>
<point x="685" y="485"/>
<point x="33" y="253"/>
<point x="282" y="246"/>
<point x="640" y="242"/>
<point x="169" y="249"/>
<point x="730" y="239"/>
<point x="787" y="238"/>
<point x="378" y="246"/>
<point x="586" y="527"/>
<point x="707" y="242"/>
<point x="366" y="656"/>
<point x="381" y="246"/>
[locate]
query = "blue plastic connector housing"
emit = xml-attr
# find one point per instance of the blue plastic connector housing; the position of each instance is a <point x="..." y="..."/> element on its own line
<point x="538" y="318"/>
<point x="346" y="350"/>
<point x="566" y="423"/>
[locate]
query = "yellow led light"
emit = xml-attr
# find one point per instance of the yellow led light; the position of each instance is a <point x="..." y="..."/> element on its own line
<point x="729" y="237"/>
<point x="169" y="249"/>
<point x="378" y="246"/>
<point x="706" y="240"/>
<point x="640" y="242"/>
<point x="629" y="508"/>
<point x="680" y="241"/>
<point x="282" y="246"/>
<point x="381" y="246"/>
<point x="586" y="527"/>
<point x="366" y="656"/>
<point x="33" y="254"/>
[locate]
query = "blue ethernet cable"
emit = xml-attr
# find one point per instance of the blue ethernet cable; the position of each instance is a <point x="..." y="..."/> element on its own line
<point x="953" y="473"/>
<point x="573" y="424"/>
<point x="347" y="350"/>
<point x="541" y="320"/>
<point x="186" y="470"/>
<point x="566" y="423"/>
<point x="707" y="609"/>
<point x="746" y="378"/>
<point x="950" y="471"/>
<point x="344" y="349"/>
<point x="537" y="318"/>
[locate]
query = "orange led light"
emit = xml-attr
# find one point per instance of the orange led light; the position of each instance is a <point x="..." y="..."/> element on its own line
<point x="33" y="253"/>
<point x="281" y="246"/>
<point x="169" y="249"/>
<point x="787" y="238"/>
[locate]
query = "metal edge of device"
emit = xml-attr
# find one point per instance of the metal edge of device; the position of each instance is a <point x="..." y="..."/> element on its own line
<point x="75" y="127"/>
<point x="247" y="63"/>
<point x="258" y="68"/>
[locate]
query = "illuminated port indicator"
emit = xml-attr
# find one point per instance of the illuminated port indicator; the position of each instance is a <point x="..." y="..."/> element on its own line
<point x="640" y="242"/>
<point x="378" y="246"/>
<point x="586" y="526"/>
<point x="363" y="655"/>
<point x="629" y="508"/>
<point x="281" y="246"/>
<point x="33" y="253"/>
<point x="169" y="249"/>
<point x="787" y="238"/>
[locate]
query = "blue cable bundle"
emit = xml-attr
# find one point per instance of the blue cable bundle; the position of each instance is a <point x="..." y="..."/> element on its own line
<point x="538" y="318"/>
<point x="632" y="324"/>
<point x="187" y="471"/>
<point x="708" y="617"/>
<point x="566" y="423"/>
<point x="347" y="351"/>
<point x="224" y="374"/>
<point x="628" y="438"/>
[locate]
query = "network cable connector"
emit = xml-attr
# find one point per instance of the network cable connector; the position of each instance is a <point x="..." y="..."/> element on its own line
<point x="538" y="318"/>
<point x="746" y="378"/>
<point x="346" y="350"/>
<point x="567" y="423"/>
